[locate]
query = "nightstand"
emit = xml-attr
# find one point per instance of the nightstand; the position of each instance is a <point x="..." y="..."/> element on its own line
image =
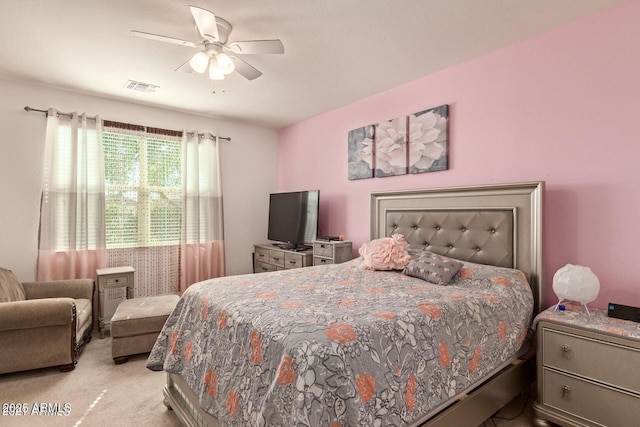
<point x="587" y="369"/>
<point x="331" y="252"/>
<point x="108" y="278"/>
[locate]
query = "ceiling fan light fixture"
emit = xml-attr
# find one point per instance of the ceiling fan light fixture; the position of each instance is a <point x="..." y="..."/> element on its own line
<point x="225" y="63"/>
<point x="215" y="73"/>
<point x="199" y="62"/>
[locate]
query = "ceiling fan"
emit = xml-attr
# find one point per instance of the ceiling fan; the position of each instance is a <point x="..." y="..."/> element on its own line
<point x="218" y="55"/>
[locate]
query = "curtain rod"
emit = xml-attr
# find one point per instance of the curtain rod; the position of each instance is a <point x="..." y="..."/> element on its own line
<point x="29" y="109"/>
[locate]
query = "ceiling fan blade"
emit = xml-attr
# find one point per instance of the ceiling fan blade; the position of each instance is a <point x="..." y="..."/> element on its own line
<point x="247" y="71"/>
<point x="185" y="68"/>
<point x="162" y="38"/>
<point x="257" y="46"/>
<point x="205" y="23"/>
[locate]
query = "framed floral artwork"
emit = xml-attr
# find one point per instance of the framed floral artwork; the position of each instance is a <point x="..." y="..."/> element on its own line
<point x="416" y="143"/>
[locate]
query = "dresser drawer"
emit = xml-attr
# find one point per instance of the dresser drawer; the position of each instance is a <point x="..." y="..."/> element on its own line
<point x="323" y="249"/>
<point x="116" y="281"/>
<point x="321" y="261"/>
<point x="591" y="358"/>
<point x="262" y="254"/>
<point x="293" y="260"/>
<point x="276" y="258"/>
<point x="263" y="267"/>
<point x="594" y="402"/>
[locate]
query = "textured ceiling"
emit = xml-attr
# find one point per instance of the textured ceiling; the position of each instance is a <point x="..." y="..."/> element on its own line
<point x="336" y="51"/>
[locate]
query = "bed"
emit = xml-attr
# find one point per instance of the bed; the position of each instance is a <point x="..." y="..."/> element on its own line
<point x="344" y="345"/>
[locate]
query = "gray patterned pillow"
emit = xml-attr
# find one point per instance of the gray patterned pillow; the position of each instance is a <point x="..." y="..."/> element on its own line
<point x="433" y="268"/>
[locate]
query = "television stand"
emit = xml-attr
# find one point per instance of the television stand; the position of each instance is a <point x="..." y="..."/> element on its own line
<point x="271" y="257"/>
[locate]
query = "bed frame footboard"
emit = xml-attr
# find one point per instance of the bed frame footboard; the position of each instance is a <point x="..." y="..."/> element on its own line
<point x="471" y="409"/>
<point x="179" y="398"/>
<point x="486" y="400"/>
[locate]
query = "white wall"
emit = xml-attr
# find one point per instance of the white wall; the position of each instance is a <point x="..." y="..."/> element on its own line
<point x="249" y="169"/>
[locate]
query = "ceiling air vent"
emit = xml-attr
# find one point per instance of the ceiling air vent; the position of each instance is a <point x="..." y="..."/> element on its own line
<point x="140" y="87"/>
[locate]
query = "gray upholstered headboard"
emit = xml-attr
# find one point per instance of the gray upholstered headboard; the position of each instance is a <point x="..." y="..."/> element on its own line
<point x="496" y="224"/>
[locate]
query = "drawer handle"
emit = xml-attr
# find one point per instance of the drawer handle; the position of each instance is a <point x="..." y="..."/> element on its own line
<point x="566" y="392"/>
<point x="566" y="351"/>
<point x="323" y="261"/>
<point x="323" y="246"/>
<point x="275" y="258"/>
<point x="293" y="262"/>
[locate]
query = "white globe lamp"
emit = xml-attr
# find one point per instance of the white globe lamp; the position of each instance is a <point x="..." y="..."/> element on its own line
<point x="576" y="283"/>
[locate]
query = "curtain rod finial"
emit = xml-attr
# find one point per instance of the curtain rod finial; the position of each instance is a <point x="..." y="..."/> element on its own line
<point x="27" y="108"/>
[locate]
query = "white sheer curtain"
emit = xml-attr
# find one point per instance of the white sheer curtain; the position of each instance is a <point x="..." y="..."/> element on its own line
<point x="72" y="228"/>
<point x="202" y="242"/>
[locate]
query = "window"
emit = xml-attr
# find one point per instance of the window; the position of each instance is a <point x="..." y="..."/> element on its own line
<point x="136" y="209"/>
<point x="143" y="188"/>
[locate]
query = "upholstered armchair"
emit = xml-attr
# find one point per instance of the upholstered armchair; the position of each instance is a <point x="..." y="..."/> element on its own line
<point x="43" y="324"/>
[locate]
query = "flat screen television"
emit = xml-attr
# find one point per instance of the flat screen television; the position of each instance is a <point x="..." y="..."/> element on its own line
<point x="293" y="218"/>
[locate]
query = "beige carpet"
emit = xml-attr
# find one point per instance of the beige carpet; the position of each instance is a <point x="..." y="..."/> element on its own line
<point x="100" y="393"/>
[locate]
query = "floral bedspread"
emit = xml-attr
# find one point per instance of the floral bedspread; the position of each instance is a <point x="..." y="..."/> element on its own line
<point x="340" y="345"/>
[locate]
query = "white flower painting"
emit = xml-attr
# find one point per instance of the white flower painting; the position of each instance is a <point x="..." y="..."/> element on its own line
<point x="428" y="140"/>
<point x="409" y="144"/>
<point x="391" y="147"/>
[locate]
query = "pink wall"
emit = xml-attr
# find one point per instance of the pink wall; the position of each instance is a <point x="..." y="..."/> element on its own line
<point x="563" y="107"/>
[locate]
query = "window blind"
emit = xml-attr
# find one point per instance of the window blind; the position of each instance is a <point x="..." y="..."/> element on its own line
<point x="143" y="187"/>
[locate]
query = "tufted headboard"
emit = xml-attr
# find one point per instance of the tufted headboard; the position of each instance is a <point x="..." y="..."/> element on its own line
<point x="496" y="224"/>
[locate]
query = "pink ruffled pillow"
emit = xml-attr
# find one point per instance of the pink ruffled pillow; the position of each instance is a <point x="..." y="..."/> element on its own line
<point x="388" y="253"/>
